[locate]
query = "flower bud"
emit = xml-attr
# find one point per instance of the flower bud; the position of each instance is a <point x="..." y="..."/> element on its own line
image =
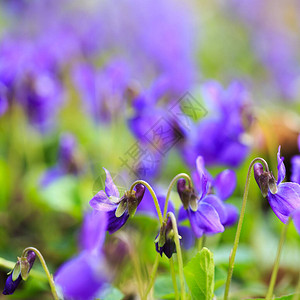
<point x="187" y="195"/>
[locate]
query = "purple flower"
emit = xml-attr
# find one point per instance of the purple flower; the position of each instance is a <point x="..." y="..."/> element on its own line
<point x="11" y="282"/>
<point x="284" y="198"/>
<point x="295" y="177"/>
<point x="86" y="274"/>
<point x="118" y="209"/>
<point x="103" y="91"/>
<point x="67" y="162"/>
<point x="296" y="219"/>
<point x="207" y="212"/>
<point x="219" y="138"/>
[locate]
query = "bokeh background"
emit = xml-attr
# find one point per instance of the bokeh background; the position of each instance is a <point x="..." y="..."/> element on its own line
<point x="83" y="82"/>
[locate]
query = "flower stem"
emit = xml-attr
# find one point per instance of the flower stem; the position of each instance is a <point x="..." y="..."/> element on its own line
<point x="152" y="276"/>
<point x="240" y="223"/>
<point x="174" y="180"/>
<point x="148" y="186"/>
<point x="201" y="242"/>
<point x="179" y="255"/>
<point x="173" y="274"/>
<point x="297" y="293"/>
<point x="277" y="261"/>
<point x="43" y="263"/>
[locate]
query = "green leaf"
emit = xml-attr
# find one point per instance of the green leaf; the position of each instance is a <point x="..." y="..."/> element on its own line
<point x="220" y="277"/>
<point x="163" y="287"/>
<point x="109" y="292"/>
<point x="199" y="275"/>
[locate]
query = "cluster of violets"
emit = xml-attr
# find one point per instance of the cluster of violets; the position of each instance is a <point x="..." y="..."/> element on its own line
<point x="204" y="205"/>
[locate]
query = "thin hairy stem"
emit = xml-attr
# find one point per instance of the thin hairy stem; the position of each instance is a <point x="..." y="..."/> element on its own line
<point x="148" y="186"/>
<point x="179" y="255"/>
<point x="173" y="274"/>
<point x="44" y="265"/>
<point x="240" y="223"/>
<point x="174" y="180"/>
<point x="277" y="261"/>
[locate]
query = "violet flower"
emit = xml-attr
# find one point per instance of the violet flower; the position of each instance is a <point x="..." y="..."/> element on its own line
<point x="283" y="197"/>
<point x="295" y="177"/>
<point x="13" y="280"/>
<point x="67" y="162"/>
<point x="219" y="137"/>
<point x="103" y="91"/>
<point x="296" y="219"/>
<point x="118" y="209"/>
<point x="207" y="212"/>
<point x="82" y="277"/>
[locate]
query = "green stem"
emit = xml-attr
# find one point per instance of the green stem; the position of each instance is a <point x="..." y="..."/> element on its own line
<point x="173" y="274"/>
<point x="297" y="293"/>
<point x="240" y="223"/>
<point x="43" y="263"/>
<point x="277" y="261"/>
<point x="148" y="186"/>
<point x="179" y="255"/>
<point x="201" y="242"/>
<point x="152" y="276"/>
<point x="174" y="180"/>
<point x="10" y="265"/>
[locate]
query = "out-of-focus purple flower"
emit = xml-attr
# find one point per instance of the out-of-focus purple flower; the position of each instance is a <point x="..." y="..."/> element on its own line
<point x="118" y="209"/>
<point x="103" y="91"/>
<point x="219" y="138"/>
<point x="284" y="198"/>
<point x="66" y="163"/>
<point x="83" y="276"/>
<point x="3" y="99"/>
<point x="13" y="280"/>
<point x="295" y="177"/>
<point x="296" y="219"/>
<point x="167" y="50"/>
<point x="275" y="41"/>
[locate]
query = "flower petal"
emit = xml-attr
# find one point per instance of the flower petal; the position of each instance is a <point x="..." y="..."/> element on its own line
<point x="202" y="186"/>
<point x="78" y="278"/>
<point x="225" y="183"/>
<point x="218" y="205"/>
<point x="205" y="219"/>
<point x="295" y="177"/>
<point x="188" y="237"/>
<point x="114" y="223"/>
<point x="232" y="214"/>
<point x="92" y="234"/>
<point x="296" y="219"/>
<point x="110" y="188"/>
<point x="280" y="167"/>
<point x="101" y="202"/>
<point x="286" y="200"/>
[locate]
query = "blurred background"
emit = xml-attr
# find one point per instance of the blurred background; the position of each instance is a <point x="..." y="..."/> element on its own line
<point x="92" y="84"/>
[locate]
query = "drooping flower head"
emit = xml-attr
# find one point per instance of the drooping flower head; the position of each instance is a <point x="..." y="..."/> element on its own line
<point x="164" y="242"/>
<point x="118" y="208"/>
<point x="20" y="271"/>
<point x="83" y="276"/>
<point x="207" y="212"/>
<point x="283" y="197"/>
